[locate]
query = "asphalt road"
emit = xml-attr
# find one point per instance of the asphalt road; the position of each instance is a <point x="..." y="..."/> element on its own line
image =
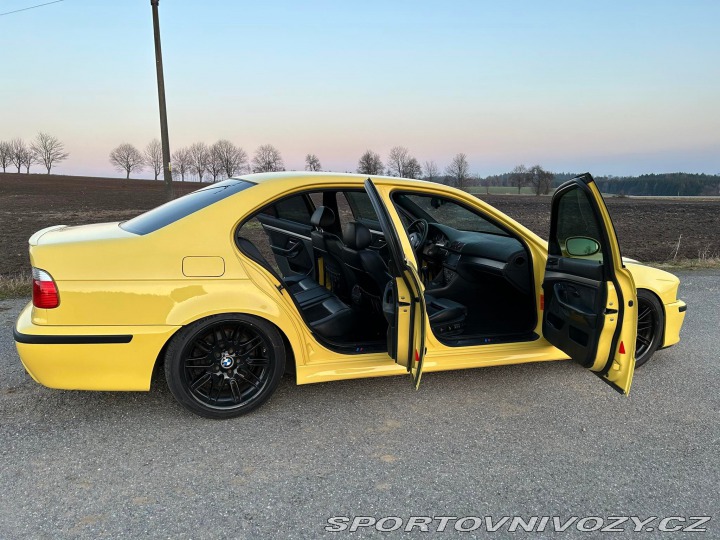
<point x="546" y="440"/>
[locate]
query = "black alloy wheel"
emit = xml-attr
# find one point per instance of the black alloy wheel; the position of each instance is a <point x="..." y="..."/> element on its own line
<point x="226" y="365"/>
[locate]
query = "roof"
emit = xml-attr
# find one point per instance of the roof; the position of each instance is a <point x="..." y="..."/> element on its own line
<point x="306" y="175"/>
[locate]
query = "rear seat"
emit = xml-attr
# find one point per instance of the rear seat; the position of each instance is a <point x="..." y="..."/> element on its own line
<point x="325" y="312"/>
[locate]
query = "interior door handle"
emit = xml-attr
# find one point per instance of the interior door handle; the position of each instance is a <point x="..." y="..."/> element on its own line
<point x="292" y="251"/>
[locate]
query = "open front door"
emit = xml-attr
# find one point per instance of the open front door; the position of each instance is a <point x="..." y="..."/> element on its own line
<point x="590" y="297"/>
<point x="403" y="301"/>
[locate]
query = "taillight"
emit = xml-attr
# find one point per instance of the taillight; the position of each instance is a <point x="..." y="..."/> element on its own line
<point x="45" y="293"/>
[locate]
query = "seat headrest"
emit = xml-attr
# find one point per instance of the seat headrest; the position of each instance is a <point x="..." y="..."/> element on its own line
<point x="322" y="217"/>
<point x="356" y="236"/>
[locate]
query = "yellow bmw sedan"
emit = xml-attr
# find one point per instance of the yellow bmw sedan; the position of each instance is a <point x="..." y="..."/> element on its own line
<point x="335" y="276"/>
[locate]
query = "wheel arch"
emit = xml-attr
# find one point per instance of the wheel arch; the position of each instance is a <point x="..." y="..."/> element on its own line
<point x="291" y="356"/>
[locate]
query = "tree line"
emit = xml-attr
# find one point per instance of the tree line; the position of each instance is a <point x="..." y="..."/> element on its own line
<point x="45" y="150"/>
<point x="199" y="161"/>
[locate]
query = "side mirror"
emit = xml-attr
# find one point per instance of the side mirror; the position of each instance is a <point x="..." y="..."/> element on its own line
<point x="581" y="246"/>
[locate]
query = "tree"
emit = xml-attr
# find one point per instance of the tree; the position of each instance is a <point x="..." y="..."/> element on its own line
<point x="519" y="177"/>
<point x="127" y="158"/>
<point x="181" y="162"/>
<point x="267" y="158"/>
<point x="199" y="157"/>
<point x="540" y="179"/>
<point x="431" y="171"/>
<point x="29" y="157"/>
<point x="401" y="163"/>
<point x="215" y="166"/>
<point x="49" y="150"/>
<point x="154" y="157"/>
<point x="5" y="155"/>
<point x="233" y="159"/>
<point x="370" y="163"/>
<point x="18" y="148"/>
<point x="312" y="163"/>
<point x="459" y="170"/>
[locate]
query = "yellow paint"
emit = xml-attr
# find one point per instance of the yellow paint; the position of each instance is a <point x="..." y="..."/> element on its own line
<point x="114" y="282"/>
<point x="203" y="266"/>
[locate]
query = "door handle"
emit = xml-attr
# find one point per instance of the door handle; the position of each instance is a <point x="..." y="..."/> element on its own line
<point x="291" y="252"/>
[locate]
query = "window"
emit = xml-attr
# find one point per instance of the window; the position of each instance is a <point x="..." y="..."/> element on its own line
<point x="294" y="209"/>
<point x="170" y="212"/>
<point x="361" y="206"/>
<point x="446" y="212"/>
<point x="576" y="222"/>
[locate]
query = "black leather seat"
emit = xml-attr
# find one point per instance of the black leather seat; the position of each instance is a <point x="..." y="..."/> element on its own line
<point x="368" y="268"/>
<point x="329" y="247"/>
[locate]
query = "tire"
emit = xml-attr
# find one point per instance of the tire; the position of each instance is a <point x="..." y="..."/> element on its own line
<point x="651" y="322"/>
<point x="225" y="366"/>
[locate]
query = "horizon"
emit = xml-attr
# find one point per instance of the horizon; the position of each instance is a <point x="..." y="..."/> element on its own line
<point x="615" y="89"/>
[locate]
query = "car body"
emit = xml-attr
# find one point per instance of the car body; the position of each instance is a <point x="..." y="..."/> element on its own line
<point x="129" y="293"/>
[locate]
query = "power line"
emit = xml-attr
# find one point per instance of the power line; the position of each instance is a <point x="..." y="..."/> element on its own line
<point x="31" y="7"/>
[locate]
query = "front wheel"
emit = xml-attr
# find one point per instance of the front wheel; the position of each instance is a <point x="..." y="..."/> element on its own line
<point x="225" y="365"/>
<point x="651" y="322"/>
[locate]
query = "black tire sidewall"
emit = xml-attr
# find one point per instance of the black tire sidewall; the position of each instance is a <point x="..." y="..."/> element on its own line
<point x="174" y="364"/>
<point x="649" y="298"/>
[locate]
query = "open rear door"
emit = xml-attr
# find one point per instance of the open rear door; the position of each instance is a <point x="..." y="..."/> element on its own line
<point x="590" y="310"/>
<point x="403" y="301"/>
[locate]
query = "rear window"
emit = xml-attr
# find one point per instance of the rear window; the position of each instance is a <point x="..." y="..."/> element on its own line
<point x="170" y="212"/>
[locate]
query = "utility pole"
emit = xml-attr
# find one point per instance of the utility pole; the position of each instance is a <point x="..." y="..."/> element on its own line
<point x="167" y="173"/>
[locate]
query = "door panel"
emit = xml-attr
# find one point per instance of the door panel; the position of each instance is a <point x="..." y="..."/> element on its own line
<point x="590" y="298"/>
<point x="291" y="245"/>
<point x="403" y="301"/>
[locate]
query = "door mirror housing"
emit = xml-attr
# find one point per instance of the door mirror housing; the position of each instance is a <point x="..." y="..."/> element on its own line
<point x="581" y="246"/>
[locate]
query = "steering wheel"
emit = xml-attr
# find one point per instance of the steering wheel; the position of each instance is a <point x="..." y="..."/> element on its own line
<point x="418" y="232"/>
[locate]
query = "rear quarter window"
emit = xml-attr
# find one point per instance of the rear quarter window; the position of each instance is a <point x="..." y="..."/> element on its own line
<point x="172" y="211"/>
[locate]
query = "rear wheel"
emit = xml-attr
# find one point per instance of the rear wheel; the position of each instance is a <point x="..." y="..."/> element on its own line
<point x="225" y="365"/>
<point x="651" y="321"/>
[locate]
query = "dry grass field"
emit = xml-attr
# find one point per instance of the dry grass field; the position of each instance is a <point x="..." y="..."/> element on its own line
<point x="649" y="229"/>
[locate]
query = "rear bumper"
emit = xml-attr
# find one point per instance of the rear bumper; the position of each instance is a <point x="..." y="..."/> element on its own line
<point x="89" y="357"/>
<point x="674" y="318"/>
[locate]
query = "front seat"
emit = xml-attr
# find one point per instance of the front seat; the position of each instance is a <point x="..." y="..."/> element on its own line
<point x="368" y="268"/>
<point x="328" y="247"/>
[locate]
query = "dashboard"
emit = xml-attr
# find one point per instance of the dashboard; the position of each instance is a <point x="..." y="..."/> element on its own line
<point x="471" y="254"/>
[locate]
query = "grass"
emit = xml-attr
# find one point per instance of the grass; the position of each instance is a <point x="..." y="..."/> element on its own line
<point x="15" y="286"/>
<point x="700" y="263"/>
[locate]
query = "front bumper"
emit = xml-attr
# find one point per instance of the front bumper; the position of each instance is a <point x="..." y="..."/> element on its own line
<point x="89" y="357"/>
<point x="674" y="318"/>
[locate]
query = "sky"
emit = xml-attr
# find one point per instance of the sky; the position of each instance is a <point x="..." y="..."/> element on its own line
<point x="610" y="87"/>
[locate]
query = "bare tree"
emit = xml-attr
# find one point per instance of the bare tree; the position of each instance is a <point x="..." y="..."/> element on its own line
<point x="431" y="171"/>
<point x="519" y="177"/>
<point x="370" y="163"/>
<point x="127" y="158"/>
<point x="5" y="155"/>
<point x="181" y="162"/>
<point x="154" y="157"/>
<point x="267" y="158"/>
<point x="29" y="158"/>
<point x="540" y="179"/>
<point x="199" y="157"/>
<point x="401" y="163"/>
<point x="459" y="170"/>
<point x="49" y="150"/>
<point x="312" y="163"/>
<point x="18" y="148"/>
<point x="233" y="159"/>
<point x="215" y="166"/>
